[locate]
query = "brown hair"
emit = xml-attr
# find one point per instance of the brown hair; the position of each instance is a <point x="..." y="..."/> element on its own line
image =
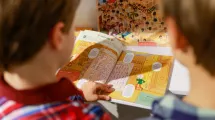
<point x="196" y="20"/>
<point x="26" y="24"/>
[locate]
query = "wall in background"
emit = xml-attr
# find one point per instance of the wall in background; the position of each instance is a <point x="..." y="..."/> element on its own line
<point x="87" y="14"/>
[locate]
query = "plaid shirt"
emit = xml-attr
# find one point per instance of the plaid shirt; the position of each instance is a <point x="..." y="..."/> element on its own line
<point x="58" y="101"/>
<point x="172" y="108"/>
<point x="66" y="110"/>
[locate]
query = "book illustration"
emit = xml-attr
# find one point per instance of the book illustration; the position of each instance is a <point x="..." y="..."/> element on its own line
<point x="156" y="67"/>
<point x="137" y="22"/>
<point x="128" y="58"/>
<point x="93" y="53"/>
<point x="128" y="91"/>
<point x="140" y="81"/>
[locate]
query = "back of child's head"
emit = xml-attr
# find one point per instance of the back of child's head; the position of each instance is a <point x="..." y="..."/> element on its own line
<point x="25" y="26"/>
<point x="195" y="19"/>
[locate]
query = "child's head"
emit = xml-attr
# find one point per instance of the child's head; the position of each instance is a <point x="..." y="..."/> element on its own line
<point x="36" y="30"/>
<point x="191" y="25"/>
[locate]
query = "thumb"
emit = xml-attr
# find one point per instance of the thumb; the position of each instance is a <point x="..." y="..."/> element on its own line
<point x="104" y="97"/>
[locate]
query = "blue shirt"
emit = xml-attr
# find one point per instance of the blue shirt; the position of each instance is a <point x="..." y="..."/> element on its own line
<point x="172" y="108"/>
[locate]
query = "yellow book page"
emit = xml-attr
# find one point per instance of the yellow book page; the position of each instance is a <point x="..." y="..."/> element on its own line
<point x="90" y="60"/>
<point x="140" y="77"/>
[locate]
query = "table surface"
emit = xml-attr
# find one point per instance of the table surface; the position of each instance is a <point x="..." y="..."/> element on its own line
<point x="179" y="81"/>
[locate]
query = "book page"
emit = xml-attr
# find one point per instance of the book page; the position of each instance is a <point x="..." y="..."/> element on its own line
<point x="93" y="58"/>
<point x="120" y="75"/>
<point x="140" y="77"/>
<point x="101" y="67"/>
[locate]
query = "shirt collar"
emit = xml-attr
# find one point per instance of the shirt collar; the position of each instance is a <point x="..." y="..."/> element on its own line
<point x="170" y="107"/>
<point x="50" y="93"/>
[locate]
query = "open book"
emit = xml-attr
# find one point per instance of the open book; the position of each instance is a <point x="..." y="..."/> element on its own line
<point x="138" y="78"/>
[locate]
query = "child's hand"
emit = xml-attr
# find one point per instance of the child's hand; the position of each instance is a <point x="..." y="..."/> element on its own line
<point x="96" y="91"/>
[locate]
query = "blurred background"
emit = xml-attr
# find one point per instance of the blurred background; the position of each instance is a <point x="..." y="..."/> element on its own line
<point x="87" y="14"/>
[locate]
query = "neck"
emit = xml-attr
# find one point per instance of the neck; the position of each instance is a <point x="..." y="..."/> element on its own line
<point x="202" y="88"/>
<point x="30" y="76"/>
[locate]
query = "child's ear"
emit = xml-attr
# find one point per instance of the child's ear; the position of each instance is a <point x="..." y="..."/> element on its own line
<point x="177" y="39"/>
<point x="56" y="36"/>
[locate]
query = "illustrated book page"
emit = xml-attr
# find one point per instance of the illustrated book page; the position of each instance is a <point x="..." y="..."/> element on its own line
<point x="94" y="57"/>
<point x="139" y="78"/>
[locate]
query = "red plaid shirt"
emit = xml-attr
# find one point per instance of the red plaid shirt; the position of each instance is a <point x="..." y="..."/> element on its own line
<point x="56" y="101"/>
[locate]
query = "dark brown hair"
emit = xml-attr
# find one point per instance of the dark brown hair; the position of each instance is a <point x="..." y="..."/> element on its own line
<point x="196" y="20"/>
<point x="26" y="24"/>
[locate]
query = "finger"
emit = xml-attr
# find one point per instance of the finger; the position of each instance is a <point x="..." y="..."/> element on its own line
<point x="104" y="97"/>
<point x="110" y="86"/>
<point x="105" y="88"/>
<point x="110" y="90"/>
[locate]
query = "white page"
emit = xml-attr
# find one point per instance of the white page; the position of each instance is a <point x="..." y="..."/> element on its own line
<point x="180" y="81"/>
<point x="92" y="36"/>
